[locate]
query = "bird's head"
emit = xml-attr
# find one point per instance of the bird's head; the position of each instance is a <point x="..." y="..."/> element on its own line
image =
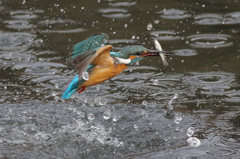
<point x="131" y="54"/>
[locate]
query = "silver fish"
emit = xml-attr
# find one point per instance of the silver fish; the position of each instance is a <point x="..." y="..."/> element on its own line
<point x="163" y="57"/>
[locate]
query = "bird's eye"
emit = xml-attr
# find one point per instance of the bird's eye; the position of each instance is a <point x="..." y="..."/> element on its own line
<point x="139" y="53"/>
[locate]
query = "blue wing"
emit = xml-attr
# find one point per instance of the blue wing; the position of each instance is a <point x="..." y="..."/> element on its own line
<point x="93" y="42"/>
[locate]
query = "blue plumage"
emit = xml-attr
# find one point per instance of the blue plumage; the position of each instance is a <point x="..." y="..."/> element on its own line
<point x="72" y="88"/>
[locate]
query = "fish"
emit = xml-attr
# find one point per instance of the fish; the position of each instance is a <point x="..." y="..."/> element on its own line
<point x="159" y="47"/>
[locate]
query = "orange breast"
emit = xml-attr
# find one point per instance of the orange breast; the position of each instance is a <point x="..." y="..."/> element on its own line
<point x="103" y="72"/>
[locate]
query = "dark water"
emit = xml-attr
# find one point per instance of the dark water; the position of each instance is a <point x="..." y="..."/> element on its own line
<point x="124" y="117"/>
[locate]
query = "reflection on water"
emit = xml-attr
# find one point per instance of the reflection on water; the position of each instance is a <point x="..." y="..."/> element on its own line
<point x="148" y="111"/>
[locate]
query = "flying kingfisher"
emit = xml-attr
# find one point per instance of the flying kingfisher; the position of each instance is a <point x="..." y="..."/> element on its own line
<point x="95" y="62"/>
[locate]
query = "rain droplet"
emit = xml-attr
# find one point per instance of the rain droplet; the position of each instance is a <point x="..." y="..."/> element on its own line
<point x="90" y="116"/>
<point x="144" y="102"/>
<point x="116" y="118"/>
<point x="177" y="119"/>
<point x="85" y="76"/>
<point x="149" y="26"/>
<point x="155" y="82"/>
<point x="190" y="131"/>
<point x="107" y="114"/>
<point x="194" y="142"/>
<point x="135" y="126"/>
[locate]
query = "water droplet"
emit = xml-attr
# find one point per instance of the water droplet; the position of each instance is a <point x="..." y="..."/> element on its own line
<point x="56" y="86"/>
<point x="175" y="96"/>
<point x="149" y="26"/>
<point x="144" y="102"/>
<point x="194" y="142"/>
<point x="90" y="116"/>
<point x="116" y="118"/>
<point x="190" y="131"/>
<point x="156" y="21"/>
<point x="102" y="101"/>
<point x="5" y="87"/>
<point x="85" y="76"/>
<point x="54" y="94"/>
<point x="107" y="114"/>
<point x="155" y="82"/>
<point x="177" y="119"/>
<point x="137" y="63"/>
<point x="125" y="25"/>
<point x="133" y="37"/>
<point x="135" y="126"/>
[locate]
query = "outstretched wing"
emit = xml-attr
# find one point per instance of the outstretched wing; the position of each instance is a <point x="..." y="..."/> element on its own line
<point x="99" y="57"/>
<point x="90" y="44"/>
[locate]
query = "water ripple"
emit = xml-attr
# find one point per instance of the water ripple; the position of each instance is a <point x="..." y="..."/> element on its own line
<point x="174" y="14"/>
<point x="23" y="14"/>
<point x="208" y="19"/>
<point x="114" y="13"/>
<point x="118" y="4"/>
<point x="60" y="26"/>
<point x="232" y="18"/>
<point x="211" y="83"/>
<point x="210" y="40"/>
<point x="18" y="24"/>
<point x="164" y="35"/>
<point x="10" y="41"/>
<point x="185" y="52"/>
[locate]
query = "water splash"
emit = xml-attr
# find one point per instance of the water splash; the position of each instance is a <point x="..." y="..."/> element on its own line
<point x="194" y="142"/>
<point x="85" y="76"/>
<point x="190" y="131"/>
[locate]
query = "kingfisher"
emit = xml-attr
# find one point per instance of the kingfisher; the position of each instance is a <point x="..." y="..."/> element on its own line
<point x="95" y="61"/>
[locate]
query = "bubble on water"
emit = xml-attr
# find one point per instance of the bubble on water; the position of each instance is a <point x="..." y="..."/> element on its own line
<point x="149" y="26"/>
<point x="116" y="118"/>
<point x="90" y="116"/>
<point x="155" y="82"/>
<point x="144" y="102"/>
<point x="177" y="128"/>
<point x="91" y="102"/>
<point x="85" y="100"/>
<point x="135" y="126"/>
<point x="107" y="114"/>
<point x="190" y="131"/>
<point x="96" y="100"/>
<point x="177" y="119"/>
<point x="81" y="114"/>
<point x="194" y="142"/>
<point x="85" y="76"/>
<point x="102" y="101"/>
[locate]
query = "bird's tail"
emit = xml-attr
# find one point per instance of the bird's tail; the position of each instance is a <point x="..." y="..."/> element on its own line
<point x="72" y="88"/>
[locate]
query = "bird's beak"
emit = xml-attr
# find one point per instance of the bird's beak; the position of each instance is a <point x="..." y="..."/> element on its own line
<point x="155" y="53"/>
